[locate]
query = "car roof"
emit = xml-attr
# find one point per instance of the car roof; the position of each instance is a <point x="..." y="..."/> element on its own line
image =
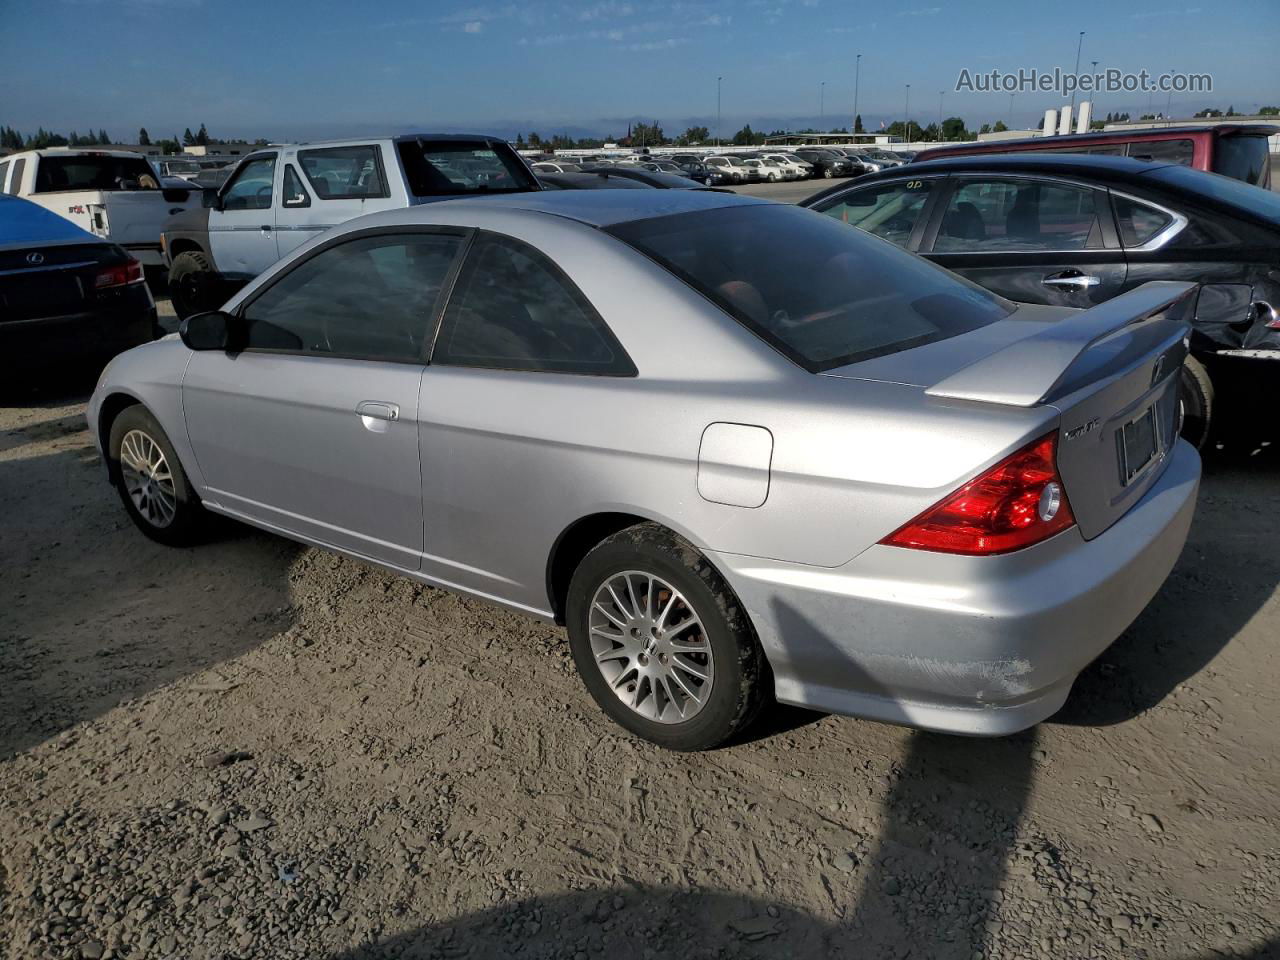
<point x="1068" y="164"/>
<point x="393" y="137"/>
<point x="27" y="224"/>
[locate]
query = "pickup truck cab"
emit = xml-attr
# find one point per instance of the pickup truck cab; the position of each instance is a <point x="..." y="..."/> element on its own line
<point x="279" y="197"/>
<point x="112" y="194"/>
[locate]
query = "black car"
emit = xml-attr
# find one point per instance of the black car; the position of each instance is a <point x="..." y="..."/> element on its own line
<point x="67" y="298"/>
<point x="588" y="181"/>
<point x="652" y="178"/>
<point x="1075" y="230"/>
<point x="826" y="163"/>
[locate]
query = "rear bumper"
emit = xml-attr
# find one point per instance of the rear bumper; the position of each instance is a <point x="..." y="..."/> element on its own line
<point x="27" y="345"/>
<point x="981" y="646"/>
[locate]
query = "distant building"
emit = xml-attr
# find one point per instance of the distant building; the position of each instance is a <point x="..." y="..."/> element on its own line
<point x="149" y="150"/>
<point x="236" y="148"/>
<point x="1007" y="135"/>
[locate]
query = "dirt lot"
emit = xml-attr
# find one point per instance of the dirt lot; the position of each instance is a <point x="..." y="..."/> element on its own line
<point x="254" y="749"/>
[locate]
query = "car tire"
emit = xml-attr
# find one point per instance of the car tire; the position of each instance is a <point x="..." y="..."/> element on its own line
<point x="827" y="173"/>
<point x="668" y="705"/>
<point x="150" y="480"/>
<point x="194" y="286"/>
<point x="1195" y="397"/>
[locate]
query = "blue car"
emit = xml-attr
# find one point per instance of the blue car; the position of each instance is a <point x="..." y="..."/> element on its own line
<point x="67" y="298"/>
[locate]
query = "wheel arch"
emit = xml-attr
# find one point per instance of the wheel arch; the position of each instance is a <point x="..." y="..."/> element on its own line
<point x="113" y="405"/>
<point x="185" y="245"/>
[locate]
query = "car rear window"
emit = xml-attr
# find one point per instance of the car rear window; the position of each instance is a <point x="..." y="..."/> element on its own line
<point x="821" y="294"/>
<point x="1243" y="158"/>
<point x="55" y="174"/>
<point x="1258" y="202"/>
<point x="456" y="167"/>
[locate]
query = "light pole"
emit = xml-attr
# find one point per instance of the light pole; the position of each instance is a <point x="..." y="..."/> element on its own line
<point x="940" y="95"/>
<point x="1095" y="92"/>
<point x="1079" y="47"/>
<point x="1011" y="96"/>
<point x="718" y="79"/>
<point x="1168" y="109"/>
<point x="857" y="70"/>
<point x="906" y="117"/>
<point x="822" y="103"/>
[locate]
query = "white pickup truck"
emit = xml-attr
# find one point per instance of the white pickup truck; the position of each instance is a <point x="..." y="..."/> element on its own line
<point x="112" y="194"/>
<point x="283" y="195"/>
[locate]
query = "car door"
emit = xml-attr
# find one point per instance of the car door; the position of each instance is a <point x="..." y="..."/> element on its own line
<point x="241" y="227"/>
<point x="339" y="184"/>
<point x="894" y="210"/>
<point x="312" y="428"/>
<point x="1031" y="239"/>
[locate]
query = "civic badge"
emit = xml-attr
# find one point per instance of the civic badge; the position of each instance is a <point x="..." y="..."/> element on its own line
<point x="35" y="258"/>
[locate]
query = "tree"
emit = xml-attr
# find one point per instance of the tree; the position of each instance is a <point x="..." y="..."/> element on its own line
<point x="202" y="137"/>
<point x="1269" y="111"/>
<point x="144" y="140"/>
<point x="1147" y="116"/>
<point x="519" y="141"/>
<point x="169" y="147"/>
<point x="985" y="128"/>
<point x="647" y="135"/>
<point x="910" y="134"/>
<point x="535" y="142"/>
<point x="1231" y="111"/>
<point x="857" y="124"/>
<point x="999" y="127"/>
<point x="746" y="137"/>
<point x="693" y="136"/>
<point x="103" y="138"/>
<point x="953" y="128"/>
<point x="188" y="138"/>
<point x="1209" y="112"/>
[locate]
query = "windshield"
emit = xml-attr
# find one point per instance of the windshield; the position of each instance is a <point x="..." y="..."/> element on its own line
<point x="451" y="167"/>
<point x="1257" y="201"/>
<point x="94" y="173"/>
<point x="1244" y="158"/>
<point x="821" y="294"/>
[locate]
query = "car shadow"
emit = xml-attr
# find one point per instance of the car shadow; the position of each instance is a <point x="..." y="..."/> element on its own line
<point x="1228" y="570"/>
<point x="94" y="613"/>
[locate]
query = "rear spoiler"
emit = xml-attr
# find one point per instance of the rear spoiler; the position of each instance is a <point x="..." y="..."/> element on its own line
<point x="1028" y="372"/>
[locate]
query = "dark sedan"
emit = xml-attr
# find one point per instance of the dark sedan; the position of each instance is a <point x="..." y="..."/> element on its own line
<point x="67" y="298"/>
<point x="1076" y="230"/>
<point x="651" y="178"/>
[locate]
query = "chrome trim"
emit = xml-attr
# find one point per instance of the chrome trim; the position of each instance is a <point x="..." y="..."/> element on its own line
<point x="56" y="266"/>
<point x="1254" y="354"/>
<point x="1160" y="239"/>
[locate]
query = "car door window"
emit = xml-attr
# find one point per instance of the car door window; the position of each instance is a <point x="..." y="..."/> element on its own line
<point x="372" y="298"/>
<point x="295" y="195"/>
<point x="513" y="309"/>
<point x="340" y="173"/>
<point x="251" y="189"/>
<point x="890" y="211"/>
<point x="1018" y="215"/>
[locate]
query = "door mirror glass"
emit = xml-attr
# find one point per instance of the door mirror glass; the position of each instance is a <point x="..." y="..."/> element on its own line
<point x="214" y="330"/>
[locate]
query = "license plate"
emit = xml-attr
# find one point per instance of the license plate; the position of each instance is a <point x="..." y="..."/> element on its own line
<point x="1139" y="443"/>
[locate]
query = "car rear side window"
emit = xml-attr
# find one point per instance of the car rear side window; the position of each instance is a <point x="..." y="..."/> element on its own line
<point x="454" y="167"/>
<point x="821" y="294"/>
<point x="1139" y="222"/>
<point x="372" y="298"/>
<point x="1164" y="151"/>
<point x="4" y="170"/>
<point x="513" y="309"/>
<point x="1018" y="215"/>
<point x="342" y="173"/>
<point x="890" y="211"/>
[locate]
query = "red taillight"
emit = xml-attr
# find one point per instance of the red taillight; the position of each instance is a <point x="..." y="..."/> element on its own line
<point x="129" y="272"/>
<point x="1018" y="502"/>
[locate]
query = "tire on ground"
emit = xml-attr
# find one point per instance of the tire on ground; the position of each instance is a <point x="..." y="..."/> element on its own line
<point x="1195" y="392"/>
<point x="185" y="526"/>
<point x="194" y="286"/>
<point x="739" y="686"/>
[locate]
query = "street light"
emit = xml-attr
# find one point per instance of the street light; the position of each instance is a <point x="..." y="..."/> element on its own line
<point x="1095" y="92"/>
<point x="822" y="103"/>
<point x="906" y="117"/>
<point x="857" y="69"/>
<point x="1011" y="96"/>
<point x="1079" y="46"/>
<point x="718" y="79"/>
<point x="1168" y="109"/>
<point x="940" y="95"/>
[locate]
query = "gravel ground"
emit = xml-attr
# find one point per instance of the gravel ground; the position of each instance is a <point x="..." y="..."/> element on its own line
<point x="256" y="749"/>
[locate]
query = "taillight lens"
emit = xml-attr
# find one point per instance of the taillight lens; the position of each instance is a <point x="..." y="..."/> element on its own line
<point x="1018" y="502"/>
<point x="128" y="272"/>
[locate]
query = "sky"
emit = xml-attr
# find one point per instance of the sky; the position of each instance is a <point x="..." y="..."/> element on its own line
<point x="285" y="69"/>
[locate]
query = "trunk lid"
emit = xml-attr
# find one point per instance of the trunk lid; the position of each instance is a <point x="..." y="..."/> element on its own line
<point x="1111" y="371"/>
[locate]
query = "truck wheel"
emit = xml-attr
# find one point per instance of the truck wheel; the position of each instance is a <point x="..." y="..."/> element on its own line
<point x="194" y="286"/>
<point x="1195" y="397"/>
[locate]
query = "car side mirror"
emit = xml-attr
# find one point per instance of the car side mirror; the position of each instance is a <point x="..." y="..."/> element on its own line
<point x="214" y="330"/>
<point x="211" y="200"/>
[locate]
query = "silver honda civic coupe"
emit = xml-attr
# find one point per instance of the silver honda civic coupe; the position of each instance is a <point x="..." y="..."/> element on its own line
<point x="739" y="450"/>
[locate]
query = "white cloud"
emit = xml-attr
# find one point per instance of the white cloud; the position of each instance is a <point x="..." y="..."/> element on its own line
<point x="473" y="26"/>
<point x="667" y="44"/>
<point x="607" y="10"/>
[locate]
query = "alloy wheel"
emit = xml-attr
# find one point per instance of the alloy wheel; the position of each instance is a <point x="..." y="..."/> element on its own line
<point x="650" y="646"/>
<point x="147" y="478"/>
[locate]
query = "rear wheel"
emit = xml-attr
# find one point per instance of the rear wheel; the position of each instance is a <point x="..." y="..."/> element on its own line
<point x="194" y="286"/>
<point x="661" y="642"/>
<point x="1195" y="398"/>
<point x="151" y="482"/>
<point x="826" y="173"/>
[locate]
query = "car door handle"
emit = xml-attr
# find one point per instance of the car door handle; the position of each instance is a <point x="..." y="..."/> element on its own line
<point x="265" y="228"/>
<point x="1072" y="280"/>
<point x="377" y="410"/>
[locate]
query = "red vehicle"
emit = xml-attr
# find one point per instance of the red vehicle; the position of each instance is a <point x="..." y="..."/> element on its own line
<point x="1234" y="150"/>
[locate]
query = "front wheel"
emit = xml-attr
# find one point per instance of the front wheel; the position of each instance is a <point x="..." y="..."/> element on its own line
<point x="827" y="174"/>
<point x="194" y="286"/>
<point x="1195" y="399"/>
<point x="661" y="642"/>
<point x="150" y="480"/>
